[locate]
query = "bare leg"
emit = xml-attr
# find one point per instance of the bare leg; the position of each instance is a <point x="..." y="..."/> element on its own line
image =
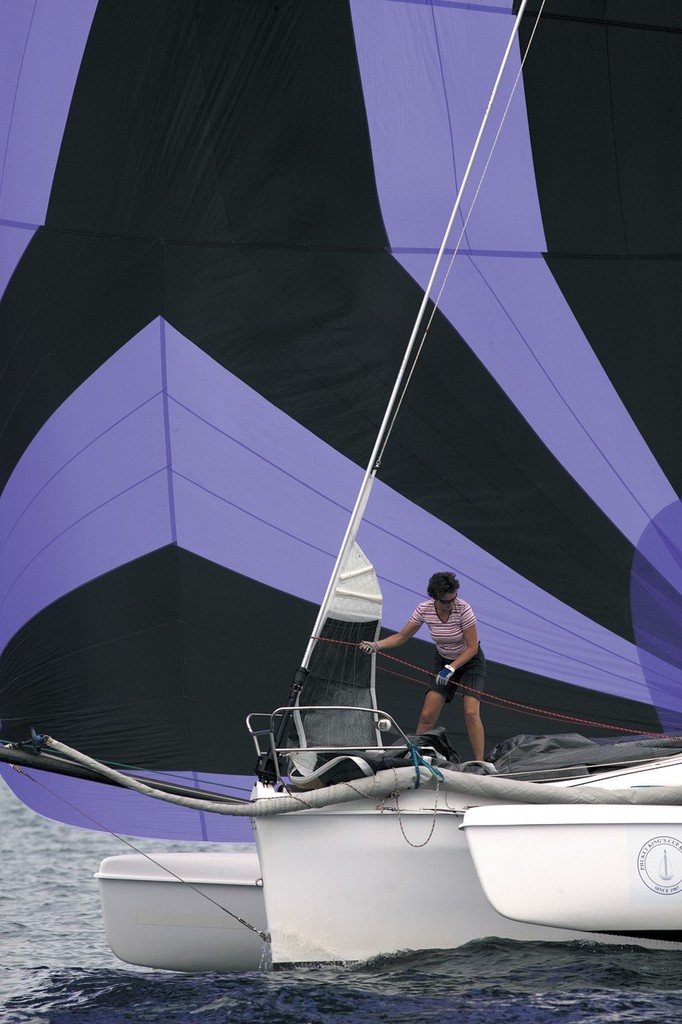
<point x="431" y="709"/>
<point x="472" y="720"/>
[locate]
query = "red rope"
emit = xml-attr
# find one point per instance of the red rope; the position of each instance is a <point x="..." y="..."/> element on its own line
<point x="494" y="700"/>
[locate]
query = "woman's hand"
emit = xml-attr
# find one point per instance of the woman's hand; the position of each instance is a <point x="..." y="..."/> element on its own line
<point x="444" y="676"/>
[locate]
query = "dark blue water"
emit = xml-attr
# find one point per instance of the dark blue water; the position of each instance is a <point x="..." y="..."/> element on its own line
<point x="56" y="967"/>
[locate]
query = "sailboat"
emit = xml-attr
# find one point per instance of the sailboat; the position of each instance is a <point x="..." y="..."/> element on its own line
<point x="208" y="275"/>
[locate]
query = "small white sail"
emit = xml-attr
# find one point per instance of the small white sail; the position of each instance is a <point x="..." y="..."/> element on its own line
<point x="357" y="596"/>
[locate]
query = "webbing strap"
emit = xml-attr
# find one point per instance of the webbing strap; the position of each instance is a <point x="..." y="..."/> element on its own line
<point x="418" y="760"/>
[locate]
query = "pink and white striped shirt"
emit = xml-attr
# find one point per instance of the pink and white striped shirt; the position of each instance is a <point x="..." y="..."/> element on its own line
<point x="447" y="636"/>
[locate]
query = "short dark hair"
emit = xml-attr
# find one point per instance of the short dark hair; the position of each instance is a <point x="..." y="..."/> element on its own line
<point x="442" y="583"/>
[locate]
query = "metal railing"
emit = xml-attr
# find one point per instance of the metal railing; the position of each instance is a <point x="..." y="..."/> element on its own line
<point x="268" y="737"/>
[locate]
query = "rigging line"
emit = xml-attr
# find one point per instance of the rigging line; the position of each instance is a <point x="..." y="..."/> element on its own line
<point x="387" y="421"/>
<point x="515" y="706"/>
<point x="528" y="709"/>
<point x="465" y="223"/>
<point x="494" y="699"/>
<point x="183" y="779"/>
<point x="102" y="828"/>
<point x="532" y="710"/>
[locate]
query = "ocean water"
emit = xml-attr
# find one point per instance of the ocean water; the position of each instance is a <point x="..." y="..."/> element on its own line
<point x="56" y="968"/>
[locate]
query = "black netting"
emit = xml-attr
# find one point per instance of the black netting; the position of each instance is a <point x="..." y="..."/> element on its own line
<point x="339" y="674"/>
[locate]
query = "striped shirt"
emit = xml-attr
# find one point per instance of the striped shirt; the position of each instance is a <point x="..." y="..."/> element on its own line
<point x="447" y="636"/>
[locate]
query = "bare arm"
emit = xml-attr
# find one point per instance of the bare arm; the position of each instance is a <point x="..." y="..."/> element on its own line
<point x="398" y="639"/>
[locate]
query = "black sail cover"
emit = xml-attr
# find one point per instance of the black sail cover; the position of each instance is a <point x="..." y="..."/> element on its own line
<point x="217" y="222"/>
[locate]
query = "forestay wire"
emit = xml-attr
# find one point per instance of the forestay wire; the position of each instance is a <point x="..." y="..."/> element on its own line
<point x="408" y="362"/>
<point x="264" y="935"/>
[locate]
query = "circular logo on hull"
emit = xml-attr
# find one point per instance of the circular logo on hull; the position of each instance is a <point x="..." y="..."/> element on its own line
<point x="660" y="865"/>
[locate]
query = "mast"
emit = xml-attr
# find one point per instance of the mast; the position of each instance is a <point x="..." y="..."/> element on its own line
<point x="398" y="390"/>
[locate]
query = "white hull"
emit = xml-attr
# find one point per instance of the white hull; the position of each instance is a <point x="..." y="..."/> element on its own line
<point x="344" y="883"/>
<point x="155" y="920"/>
<point x="349" y="883"/>
<point x="593" y="868"/>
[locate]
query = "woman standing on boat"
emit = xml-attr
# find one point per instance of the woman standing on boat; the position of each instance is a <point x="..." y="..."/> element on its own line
<point x="459" y="657"/>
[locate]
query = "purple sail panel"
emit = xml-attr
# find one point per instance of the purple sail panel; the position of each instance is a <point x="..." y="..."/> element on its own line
<point x="520" y="625"/>
<point x="427" y="74"/>
<point x="91" y="491"/>
<point x="500" y="295"/>
<point x="110" y="809"/>
<point x="41" y="46"/>
<point x="13" y="241"/>
<point x="514" y="317"/>
<point x="162" y="445"/>
<point x="130" y="464"/>
<point x="657" y="610"/>
<point x="253" y="490"/>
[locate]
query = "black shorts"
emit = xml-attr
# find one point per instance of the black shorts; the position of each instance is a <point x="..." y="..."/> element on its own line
<point x="471" y="675"/>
